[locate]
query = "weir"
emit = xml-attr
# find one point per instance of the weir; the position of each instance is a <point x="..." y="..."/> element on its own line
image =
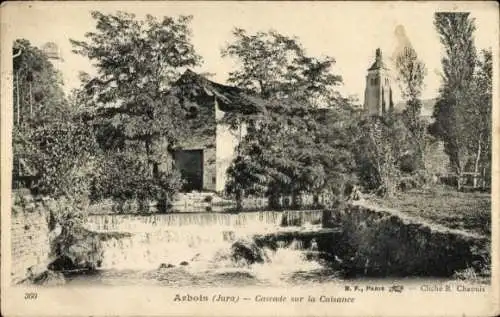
<point x="261" y="219"/>
<point x="276" y="248"/>
<point x="194" y="239"/>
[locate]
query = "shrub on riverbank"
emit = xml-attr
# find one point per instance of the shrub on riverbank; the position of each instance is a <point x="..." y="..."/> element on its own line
<point x="125" y="178"/>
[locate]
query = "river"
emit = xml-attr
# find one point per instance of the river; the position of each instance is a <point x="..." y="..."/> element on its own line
<point x="198" y="249"/>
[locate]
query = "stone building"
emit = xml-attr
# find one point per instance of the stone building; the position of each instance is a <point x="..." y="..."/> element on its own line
<point x="378" y="91"/>
<point x="205" y="154"/>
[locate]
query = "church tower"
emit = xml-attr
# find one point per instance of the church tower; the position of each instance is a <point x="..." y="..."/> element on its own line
<point x="378" y="92"/>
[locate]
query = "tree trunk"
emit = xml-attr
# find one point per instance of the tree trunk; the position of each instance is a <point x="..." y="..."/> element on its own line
<point x="147" y="145"/>
<point x="31" y="100"/>
<point x="476" y="163"/>
<point x="17" y="98"/>
<point x="484" y="177"/>
<point x="239" y="199"/>
<point x="459" y="179"/>
<point x="296" y="199"/>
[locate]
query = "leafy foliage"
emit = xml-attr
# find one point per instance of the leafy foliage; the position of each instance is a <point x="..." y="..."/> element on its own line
<point x="49" y="144"/>
<point x="292" y="146"/>
<point x="463" y="111"/>
<point x="411" y="73"/>
<point x="38" y="94"/>
<point x="136" y="118"/>
<point x="275" y="66"/>
<point x="136" y="181"/>
<point x="379" y="148"/>
<point x="62" y="154"/>
<point x="479" y="114"/>
<point x="456" y="35"/>
<point x="132" y="54"/>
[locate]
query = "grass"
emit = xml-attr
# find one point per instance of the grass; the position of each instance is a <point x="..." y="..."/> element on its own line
<point x="444" y="205"/>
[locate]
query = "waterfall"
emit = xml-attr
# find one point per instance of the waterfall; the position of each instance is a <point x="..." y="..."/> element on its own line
<point x="267" y="219"/>
<point x="193" y="239"/>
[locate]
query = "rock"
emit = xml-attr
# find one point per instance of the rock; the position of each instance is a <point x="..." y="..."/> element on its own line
<point x="184" y="263"/>
<point x="78" y="248"/>
<point x="62" y="263"/>
<point x="48" y="278"/>
<point x="247" y="251"/>
<point x="237" y="275"/>
<point x="166" y="266"/>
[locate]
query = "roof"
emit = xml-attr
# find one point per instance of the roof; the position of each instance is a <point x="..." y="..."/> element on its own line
<point x="379" y="62"/>
<point x="193" y="86"/>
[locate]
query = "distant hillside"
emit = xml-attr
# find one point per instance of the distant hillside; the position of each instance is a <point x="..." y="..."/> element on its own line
<point x="427" y="107"/>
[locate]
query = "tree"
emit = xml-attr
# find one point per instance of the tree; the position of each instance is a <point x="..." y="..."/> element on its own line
<point x="49" y="146"/>
<point x="411" y="73"/>
<point x="276" y="66"/>
<point x="450" y="113"/>
<point x="62" y="154"/>
<point x="38" y="93"/>
<point x="129" y="99"/>
<point x="294" y="146"/>
<point x="479" y="114"/>
<point x="292" y="150"/>
<point x="379" y="147"/>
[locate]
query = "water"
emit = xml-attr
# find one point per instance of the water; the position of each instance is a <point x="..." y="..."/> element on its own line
<point x="185" y="250"/>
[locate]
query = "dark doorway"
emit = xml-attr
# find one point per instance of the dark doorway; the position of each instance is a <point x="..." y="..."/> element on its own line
<point x="190" y="164"/>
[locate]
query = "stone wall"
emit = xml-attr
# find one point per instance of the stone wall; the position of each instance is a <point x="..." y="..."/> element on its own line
<point x="29" y="235"/>
<point x="202" y="136"/>
<point x="227" y="141"/>
<point x="384" y="242"/>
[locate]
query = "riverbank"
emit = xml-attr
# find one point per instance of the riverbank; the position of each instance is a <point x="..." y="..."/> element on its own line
<point x="380" y="241"/>
<point x="445" y="206"/>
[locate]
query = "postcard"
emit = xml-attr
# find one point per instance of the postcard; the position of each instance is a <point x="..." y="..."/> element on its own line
<point x="249" y="158"/>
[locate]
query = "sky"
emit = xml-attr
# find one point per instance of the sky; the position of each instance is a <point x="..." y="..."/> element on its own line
<point x="348" y="31"/>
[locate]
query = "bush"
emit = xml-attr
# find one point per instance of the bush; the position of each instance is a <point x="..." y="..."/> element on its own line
<point x="377" y="152"/>
<point x="61" y="154"/>
<point x="127" y="176"/>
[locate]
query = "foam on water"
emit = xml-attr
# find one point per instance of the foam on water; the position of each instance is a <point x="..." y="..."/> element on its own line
<point x="203" y="241"/>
